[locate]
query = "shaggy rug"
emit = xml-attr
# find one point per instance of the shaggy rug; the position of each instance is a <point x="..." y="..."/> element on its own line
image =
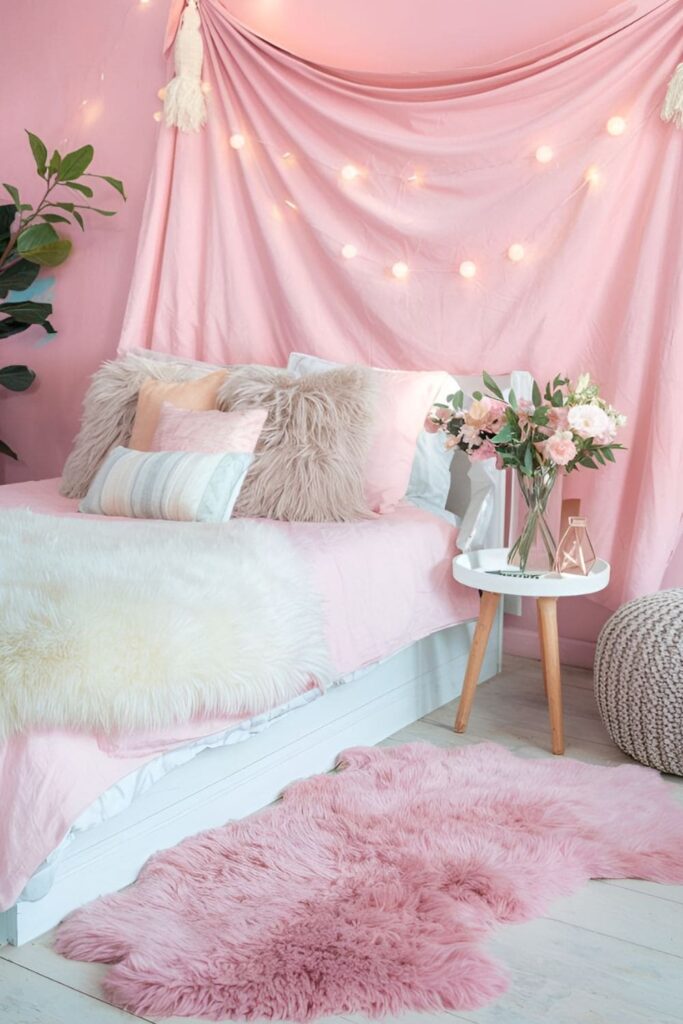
<point x="370" y="890"/>
<point x="119" y="626"/>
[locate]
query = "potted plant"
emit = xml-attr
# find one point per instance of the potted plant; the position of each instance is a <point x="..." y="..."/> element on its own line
<point x="29" y="241"/>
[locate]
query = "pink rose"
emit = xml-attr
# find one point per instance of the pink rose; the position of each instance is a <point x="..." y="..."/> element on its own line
<point x="431" y="426"/>
<point x="560" y="448"/>
<point x="485" y="451"/>
<point x="558" y="417"/>
<point x="436" y="418"/>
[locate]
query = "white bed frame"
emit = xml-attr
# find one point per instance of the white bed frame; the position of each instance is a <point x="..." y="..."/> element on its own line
<point x="232" y="781"/>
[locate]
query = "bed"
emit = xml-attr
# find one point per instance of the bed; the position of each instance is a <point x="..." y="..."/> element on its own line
<point x="106" y="807"/>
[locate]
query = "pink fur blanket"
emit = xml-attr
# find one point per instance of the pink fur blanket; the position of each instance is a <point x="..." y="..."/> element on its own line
<point x="371" y="890"/>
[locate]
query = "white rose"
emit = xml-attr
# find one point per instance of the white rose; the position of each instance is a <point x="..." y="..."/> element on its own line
<point x="588" y="420"/>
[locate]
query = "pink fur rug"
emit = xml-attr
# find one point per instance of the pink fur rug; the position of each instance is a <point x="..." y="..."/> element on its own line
<point x="370" y="891"/>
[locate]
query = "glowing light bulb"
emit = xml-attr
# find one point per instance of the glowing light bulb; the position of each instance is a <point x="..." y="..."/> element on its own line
<point x="592" y="175"/>
<point x="291" y="204"/>
<point x="544" y="154"/>
<point x="162" y="92"/>
<point x="143" y="3"/>
<point x="157" y="115"/>
<point x="206" y="87"/>
<point x="237" y="140"/>
<point x="400" y="270"/>
<point x="468" y="268"/>
<point x="416" y="178"/>
<point x="516" y="252"/>
<point x="287" y="156"/>
<point x="349" y="251"/>
<point x="349" y="172"/>
<point x="616" y="126"/>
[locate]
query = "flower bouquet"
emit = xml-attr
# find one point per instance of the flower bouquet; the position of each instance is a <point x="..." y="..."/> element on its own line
<point x="567" y="427"/>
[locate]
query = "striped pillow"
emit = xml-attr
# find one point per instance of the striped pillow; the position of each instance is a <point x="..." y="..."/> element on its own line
<point x="188" y="486"/>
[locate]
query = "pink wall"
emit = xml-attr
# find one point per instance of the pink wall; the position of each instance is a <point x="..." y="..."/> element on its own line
<point x="100" y="68"/>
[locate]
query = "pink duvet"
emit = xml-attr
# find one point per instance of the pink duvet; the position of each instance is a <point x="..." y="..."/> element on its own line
<point x="386" y="582"/>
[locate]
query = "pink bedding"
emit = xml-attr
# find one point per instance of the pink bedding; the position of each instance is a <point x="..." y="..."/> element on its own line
<point x="386" y="582"/>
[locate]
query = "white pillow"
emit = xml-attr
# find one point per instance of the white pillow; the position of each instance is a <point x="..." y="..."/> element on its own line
<point x="185" y="486"/>
<point x="430" y="475"/>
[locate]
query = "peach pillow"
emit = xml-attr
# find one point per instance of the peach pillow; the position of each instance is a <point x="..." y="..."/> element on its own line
<point x="197" y="394"/>
<point x="180" y="430"/>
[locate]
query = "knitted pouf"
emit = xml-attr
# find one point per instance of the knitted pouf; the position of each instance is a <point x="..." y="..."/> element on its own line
<point x="639" y="679"/>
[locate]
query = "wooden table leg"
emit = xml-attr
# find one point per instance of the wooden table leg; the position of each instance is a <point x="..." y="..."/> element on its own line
<point x="540" y="632"/>
<point x="487" y="613"/>
<point x="550" y="652"/>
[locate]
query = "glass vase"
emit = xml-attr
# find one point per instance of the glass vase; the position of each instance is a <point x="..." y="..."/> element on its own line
<point x="535" y="548"/>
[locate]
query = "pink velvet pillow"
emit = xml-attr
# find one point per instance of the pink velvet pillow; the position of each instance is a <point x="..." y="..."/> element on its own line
<point x="404" y="399"/>
<point x="181" y="430"/>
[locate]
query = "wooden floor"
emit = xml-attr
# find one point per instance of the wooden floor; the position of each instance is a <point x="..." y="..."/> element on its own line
<point x="611" y="954"/>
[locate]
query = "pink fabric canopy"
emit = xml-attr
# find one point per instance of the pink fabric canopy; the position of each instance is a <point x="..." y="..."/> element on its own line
<point x="242" y="249"/>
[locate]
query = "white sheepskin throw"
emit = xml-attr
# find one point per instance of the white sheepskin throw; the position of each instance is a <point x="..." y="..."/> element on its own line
<point x="124" y="626"/>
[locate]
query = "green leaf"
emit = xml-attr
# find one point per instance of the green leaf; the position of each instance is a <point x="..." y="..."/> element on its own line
<point x="599" y="456"/>
<point x="8" y="212"/>
<point x="14" y="193"/>
<point x="83" y="189"/>
<point x="114" y="182"/>
<point x="49" y="329"/>
<point x="55" y="218"/>
<point x="609" y="454"/>
<point x="105" y="213"/>
<point x="512" y="399"/>
<point x="17" y="277"/>
<point x="55" y="163"/>
<point x="6" y="450"/>
<point x="39" y="150"/>
<point x="528" y="460"/>
<point x="16" y="378"/>
<point x="73" y="164"/>
<point x="79" y="220"/>
<point x="492" y="386"/>
<point x="27" y="312"/>
<point x="69" y="207"/>
<point x="458" y="400"/>
<point x="504" y="435"/>
<point x="10" y="326"/>
<point x="586" y="461"/>
<point x="477" y="396"/>
<point x="557" y="400"/>
<point x="536" y="396"/>
<point x="41" y="244"/>
<point x="540" y="416"/>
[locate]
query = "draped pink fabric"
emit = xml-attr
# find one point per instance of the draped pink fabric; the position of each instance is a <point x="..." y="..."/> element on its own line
<point x="240" y="257"/>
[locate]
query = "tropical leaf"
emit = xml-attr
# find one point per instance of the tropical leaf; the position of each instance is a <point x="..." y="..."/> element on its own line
<point x="41" y="244"/>
<point x="6" y="450"/>
<point x="17" y="277"/>
<point x="10" y="326"/>
<point x="27" y="312"/>
<point x="8" y="212"/>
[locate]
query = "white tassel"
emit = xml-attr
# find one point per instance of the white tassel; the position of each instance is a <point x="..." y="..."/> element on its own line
<point x="184" y="103"/>
<point x="673" y="102"/>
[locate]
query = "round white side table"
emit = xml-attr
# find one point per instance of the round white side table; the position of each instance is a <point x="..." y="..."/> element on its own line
<point x="479" y="569"/>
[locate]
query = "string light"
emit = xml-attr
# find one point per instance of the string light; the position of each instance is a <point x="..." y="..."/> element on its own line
<point x="468" y="268"/>
<point x="544" y="154"/>
<point x="400" y="270"/>
<point x="291" y="204"/>
<point x="206" y="87"/>
<point x="162" y="93"/>
<point x="287" y="156"/>
<point x="616" y="126"/>
<point x="237" y="140"/>
<point x="157" y="115"/>
<point x="349" y="251"/>
<point x="516" y="252"/>
<point x="349" y="172"/>
<point x="592" y="175"/>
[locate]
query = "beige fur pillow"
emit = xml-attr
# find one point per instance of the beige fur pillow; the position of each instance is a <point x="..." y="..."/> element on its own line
<point x="109" y="411"/>
<point x="312" y="451"/>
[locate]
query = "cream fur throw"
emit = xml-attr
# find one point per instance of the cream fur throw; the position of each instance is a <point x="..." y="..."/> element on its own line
<point x="313" y="449"/>
<point x="120" y="626"/>
<point x="109" y="410"/>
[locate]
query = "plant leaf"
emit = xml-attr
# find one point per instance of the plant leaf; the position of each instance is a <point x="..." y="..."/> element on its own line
<point x="114" y="182"/>
<point x="528" y="460"/>
<point x="536" y="396"/>
<point x="477" y="396"/>
<point x="14" y="193"/>
<point x="41" y="244"/>
<point x="512" y="399"/>
<point x="27" y="312"/>
<point x="492" y="386"/>
<point x="55" y="218"/>
<point x="74" y="163"/>
<point x="49" y="329"/>
<point x="55" y="162"/>
<point x="16" y="378"/>
<point x="10" y="326"/>
<point x="17" y="277"/>
<point x="69" y="207"/>
<point x="6" y="450"/>
<point x="609" y="454"/>
<point x="79" y="220"/>
<point x="39" y="150"/>
<point x="8" y="212"/>
<point x="83" y="189"/>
